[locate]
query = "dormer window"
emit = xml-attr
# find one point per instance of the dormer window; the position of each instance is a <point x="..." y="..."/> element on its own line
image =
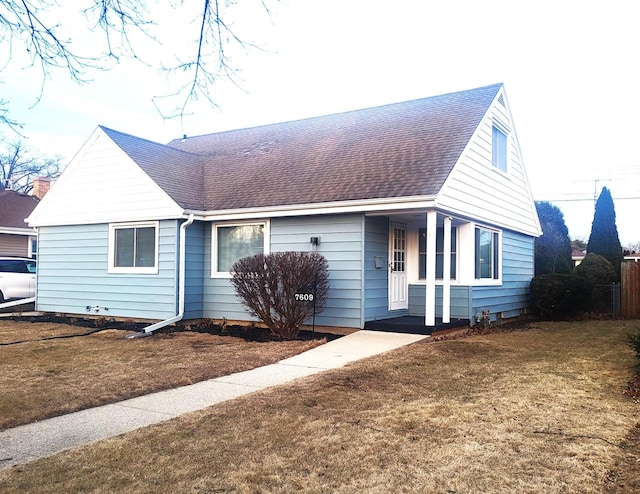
<point x="499" y="149"/>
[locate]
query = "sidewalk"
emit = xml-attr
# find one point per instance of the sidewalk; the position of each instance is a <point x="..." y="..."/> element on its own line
<point x="44" y="438"/>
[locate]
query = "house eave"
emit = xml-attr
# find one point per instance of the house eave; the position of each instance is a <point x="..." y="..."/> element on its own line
<point x="17" y="231"/>
<point x="340" y="207"/>
<point x="96" y="220"/>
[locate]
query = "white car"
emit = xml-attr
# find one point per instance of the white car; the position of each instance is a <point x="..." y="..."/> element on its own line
<point x="17" y="278"/>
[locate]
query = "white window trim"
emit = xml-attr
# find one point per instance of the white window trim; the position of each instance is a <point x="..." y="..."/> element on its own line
<point x="501" y="129"/>
<point x="214" y="243"/>
<point x="487" y="281"/>
<point x="506" y="130"/>
<point x="33" y="253"/>
<point x="415" y="278"/>
<point x="111" y="268"/>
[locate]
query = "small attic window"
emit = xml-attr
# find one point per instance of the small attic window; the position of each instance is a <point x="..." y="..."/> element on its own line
<point x="499" y="148"/>
<point x="501" y="100"/>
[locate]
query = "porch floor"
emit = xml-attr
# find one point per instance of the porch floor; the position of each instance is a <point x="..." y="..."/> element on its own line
<point x="413" y="325"/>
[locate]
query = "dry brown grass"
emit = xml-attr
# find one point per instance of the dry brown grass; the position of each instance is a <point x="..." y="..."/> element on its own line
<point x="540" y="410"/>
<point x="44" y="378"/>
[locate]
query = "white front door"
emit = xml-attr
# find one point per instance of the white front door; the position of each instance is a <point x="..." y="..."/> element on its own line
<point x="398" y="287"/>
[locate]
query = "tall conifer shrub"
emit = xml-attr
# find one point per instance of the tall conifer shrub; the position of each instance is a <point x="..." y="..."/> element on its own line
<point x="553" y="247"/>
<point x="604" y="238"/>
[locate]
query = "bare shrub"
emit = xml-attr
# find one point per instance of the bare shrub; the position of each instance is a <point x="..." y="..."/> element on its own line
<point x="281" y="288"/>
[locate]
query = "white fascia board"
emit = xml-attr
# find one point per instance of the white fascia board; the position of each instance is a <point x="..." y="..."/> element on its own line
<point x="362" y="206"/>
<point x="130" y="218"/>
<point x="18" y="231"/>
<point x="464" y="215"/>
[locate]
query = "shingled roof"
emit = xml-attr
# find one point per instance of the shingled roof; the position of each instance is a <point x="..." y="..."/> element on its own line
<point x="14" y="208"/>
<point x="399" y="150"/>
<point x="178" y="173"/>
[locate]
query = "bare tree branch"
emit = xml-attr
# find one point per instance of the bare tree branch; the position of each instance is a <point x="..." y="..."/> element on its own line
<point x="24" y="20"/>
<point x="210" y="61"/>
<point x="118" y="18"/>
<point x="18" y="167"/>
<point x="27" y="23"/>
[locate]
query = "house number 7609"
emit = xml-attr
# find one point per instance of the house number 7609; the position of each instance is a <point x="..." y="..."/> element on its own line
<point x="307" y="297"/>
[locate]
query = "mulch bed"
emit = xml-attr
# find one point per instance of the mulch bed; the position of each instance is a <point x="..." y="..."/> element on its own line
<point x="249" y="332"/>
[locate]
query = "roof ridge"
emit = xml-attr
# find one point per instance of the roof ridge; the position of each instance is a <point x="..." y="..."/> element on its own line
<point x="116" y="133"/>
<point x="496" y="85"/>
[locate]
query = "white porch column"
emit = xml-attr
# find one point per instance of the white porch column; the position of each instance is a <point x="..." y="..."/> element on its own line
<point x="446" y="272"/>
<point x="430" y="289"/>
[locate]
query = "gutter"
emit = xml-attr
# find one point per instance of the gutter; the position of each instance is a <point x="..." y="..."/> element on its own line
<point x="148" y="331"/>
<point x="380" y="205"/>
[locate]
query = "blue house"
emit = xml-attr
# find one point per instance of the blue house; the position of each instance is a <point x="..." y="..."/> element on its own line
<point x="422" y="208"/>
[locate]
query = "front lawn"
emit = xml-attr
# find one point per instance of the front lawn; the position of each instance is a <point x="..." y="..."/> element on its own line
<point x="41" y="377"/>
<point x="540" y="409"/>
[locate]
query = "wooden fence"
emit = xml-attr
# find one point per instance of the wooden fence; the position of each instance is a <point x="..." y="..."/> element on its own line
<point x="630" y="289"/>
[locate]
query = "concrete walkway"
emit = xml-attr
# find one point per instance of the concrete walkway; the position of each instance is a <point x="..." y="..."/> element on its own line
<point x="44" y="438"/>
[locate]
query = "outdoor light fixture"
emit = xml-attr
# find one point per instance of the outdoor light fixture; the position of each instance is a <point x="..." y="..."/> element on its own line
<point x="315" y="241"/>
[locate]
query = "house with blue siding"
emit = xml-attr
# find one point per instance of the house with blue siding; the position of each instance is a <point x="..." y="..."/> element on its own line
<point x="421" y="208"/>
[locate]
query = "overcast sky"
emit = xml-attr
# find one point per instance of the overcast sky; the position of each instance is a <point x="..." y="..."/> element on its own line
<point x="569" y="68"/>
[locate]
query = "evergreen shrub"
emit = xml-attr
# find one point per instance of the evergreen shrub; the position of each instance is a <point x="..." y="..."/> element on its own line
<point x="558" y="296"/>
<point x="600" y="274"/>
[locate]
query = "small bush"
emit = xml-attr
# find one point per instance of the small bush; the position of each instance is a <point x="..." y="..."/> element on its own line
<point x="596" y="269"/>
<point x="600" y="275"/>
<point x="270" y="286"/>
<point x="558" y="296"/>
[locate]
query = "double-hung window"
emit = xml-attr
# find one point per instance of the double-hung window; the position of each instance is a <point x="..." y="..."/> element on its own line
<point x="422" y="247"/>
<point x="487" y="254"/>
<point x="499" y="149"/>
<point x="232" y="242"/>
<point x="133" y="248"/>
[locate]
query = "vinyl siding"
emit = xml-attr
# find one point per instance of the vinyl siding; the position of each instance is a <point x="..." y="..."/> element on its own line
<point x="14" y="245"/>
<point x="459" y="301"/>
<point x="101" y="185"/>
<point x="195" y="270"/>
<point x="376" y="286"/>
<point x="512" y="297"/>
<point x="72" y="275"/>
<point x="477" y="189"/>
<point x="341" y="244"/>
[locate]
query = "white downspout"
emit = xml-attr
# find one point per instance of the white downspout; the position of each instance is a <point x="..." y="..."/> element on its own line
<point x="148" y="331"/>
<point x="14" y="303"/>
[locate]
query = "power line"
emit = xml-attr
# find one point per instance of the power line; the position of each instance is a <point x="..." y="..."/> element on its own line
<point x="583" y="199"/>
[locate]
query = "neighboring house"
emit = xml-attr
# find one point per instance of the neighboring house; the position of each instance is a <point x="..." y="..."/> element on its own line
<point x="421" y="208"/>
<point x="577" y="256"/>
<point x="16" y="237"/>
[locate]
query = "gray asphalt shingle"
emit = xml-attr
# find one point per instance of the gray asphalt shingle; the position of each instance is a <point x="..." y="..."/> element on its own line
<point x="398" y="150"/>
